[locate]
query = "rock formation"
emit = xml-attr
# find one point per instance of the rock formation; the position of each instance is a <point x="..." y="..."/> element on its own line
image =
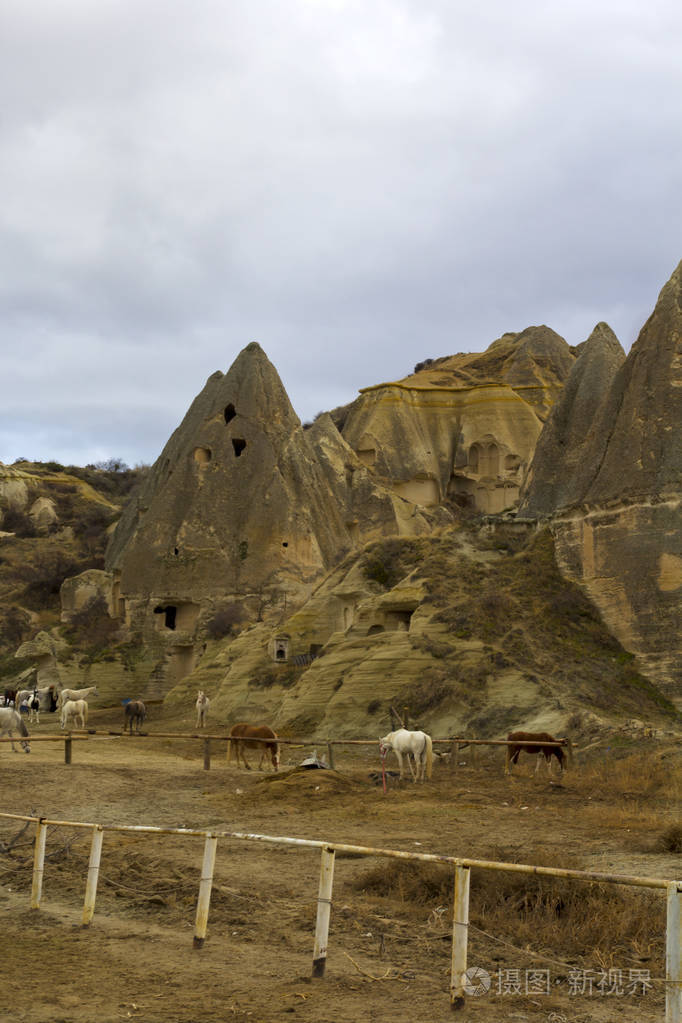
<point x="464" y="427"/>
<point x="611" y="474"/>
<point x="243" y="504"/>
<point x="574" y="438"/>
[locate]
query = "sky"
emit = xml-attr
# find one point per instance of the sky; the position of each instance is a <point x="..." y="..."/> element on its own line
<point x="356" y="186"/>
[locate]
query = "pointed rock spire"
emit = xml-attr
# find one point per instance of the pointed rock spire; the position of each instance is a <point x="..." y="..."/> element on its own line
<point x="643" y="418"/>
<point x="560" y="471"/>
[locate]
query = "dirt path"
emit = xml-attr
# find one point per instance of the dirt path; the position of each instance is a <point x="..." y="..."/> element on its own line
<point x="389" y="949"/>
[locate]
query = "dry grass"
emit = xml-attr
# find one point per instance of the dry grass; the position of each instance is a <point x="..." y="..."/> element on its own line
<point x="568" y="918"/>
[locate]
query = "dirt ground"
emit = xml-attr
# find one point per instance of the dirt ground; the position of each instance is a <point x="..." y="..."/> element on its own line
<point x="389" y="951"/>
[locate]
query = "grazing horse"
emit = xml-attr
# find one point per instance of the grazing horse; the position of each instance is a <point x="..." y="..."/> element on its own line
<point x="76" y="711"/>
<point x="260" y="736"/>
<point x="10" y="721"/>
<point x="135" y="713"/>
<point x="535" y="742"/>
<point x="417" y="744"/>
<point x="76" y="694"/>
<point x="202" y="706"/>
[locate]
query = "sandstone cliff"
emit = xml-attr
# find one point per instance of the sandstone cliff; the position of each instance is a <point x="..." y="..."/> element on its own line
<point x="616" y="507"/>
<point x="463" y="427"/>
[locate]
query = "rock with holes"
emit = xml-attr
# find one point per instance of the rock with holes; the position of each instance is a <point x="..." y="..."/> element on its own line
<point x="243" y="504"/>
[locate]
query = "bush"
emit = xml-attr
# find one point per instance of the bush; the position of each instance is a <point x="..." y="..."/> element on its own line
<point x="671" y="840"/>
<point x="15" y="624"/>
<point x="92" y="627"/>
<point x="45" y="575"/>
<point x="388" y="562"/>
<point x="225" y="621"/>
<point x="18" y="522"/>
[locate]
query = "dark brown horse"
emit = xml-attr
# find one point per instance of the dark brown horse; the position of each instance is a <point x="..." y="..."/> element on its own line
<point x="135" y="713"/>
<point x="259" y="736"/>
<point x="535" y="742"/>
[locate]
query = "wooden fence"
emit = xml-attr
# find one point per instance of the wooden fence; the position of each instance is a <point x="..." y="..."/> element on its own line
<point x="462" y="874"/>
<point x="455" y="742"/>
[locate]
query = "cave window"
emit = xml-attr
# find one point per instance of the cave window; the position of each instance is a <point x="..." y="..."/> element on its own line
<point x="170" y="611"/>
<point x="281" y="650"/>
<point x="375" y="630"/>
<point x="473" y="457"/>
<point x="285" y="543"/>
<point x="230" y="412"/>
<point x="238" y="443"/>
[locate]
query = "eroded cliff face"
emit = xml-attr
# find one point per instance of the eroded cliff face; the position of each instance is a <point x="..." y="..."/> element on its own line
<point x="243" y="505"/>
<point x="464" y="427"/>
<point x="615" y="510"/>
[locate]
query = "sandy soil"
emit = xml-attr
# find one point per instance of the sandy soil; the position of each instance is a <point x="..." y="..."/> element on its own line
<point x="389" y="957"/>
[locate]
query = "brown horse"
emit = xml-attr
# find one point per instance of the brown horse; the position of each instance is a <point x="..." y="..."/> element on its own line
<point x="135" y="713"/>
<point x="261" y="737"/>
<point x="535" y="742"/>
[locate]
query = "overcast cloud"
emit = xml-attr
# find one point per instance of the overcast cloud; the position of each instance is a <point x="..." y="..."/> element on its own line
<point x="357" y="186"/>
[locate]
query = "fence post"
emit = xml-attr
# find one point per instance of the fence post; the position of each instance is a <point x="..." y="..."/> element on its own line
<point x="454" y="756"/>
<point x="207" y="754"/>
<point x="205" y="885"/>
<point x="67" y="750"/>
<point x="38" y="864"/>
<point x="93" y="874"/>
<point x="673" y="954"/>
<point x="330" y="756"/>
<point x="324" y="908"/>
<point x="460" y="934"/>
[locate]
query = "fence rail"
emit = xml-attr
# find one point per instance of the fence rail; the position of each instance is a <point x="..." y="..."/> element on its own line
<point x="462" y="867"/>
<point x="455" y="742"/>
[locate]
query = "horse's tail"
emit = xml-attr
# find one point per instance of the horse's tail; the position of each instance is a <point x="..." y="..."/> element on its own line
<point x="429" y="755"/>
<point x="85" y="713"/>
<point x="23" y="730"/>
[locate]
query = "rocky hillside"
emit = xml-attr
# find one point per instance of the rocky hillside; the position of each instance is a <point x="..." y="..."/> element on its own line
<point x="54" y="524"/>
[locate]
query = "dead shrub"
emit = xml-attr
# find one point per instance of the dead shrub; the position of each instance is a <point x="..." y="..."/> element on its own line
<point x="417" y="883"/>
<point x="671" y="840"/>
<point x="569" y="916"/>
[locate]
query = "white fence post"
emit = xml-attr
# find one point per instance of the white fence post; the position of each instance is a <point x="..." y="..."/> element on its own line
<point x="324" y="908"/>
<point x="38" y="864"/>
<point x="673" y="954"/>
<point x="205" y="886"/>
<point x="460" y="934"/>
<point x="93" y="874"/>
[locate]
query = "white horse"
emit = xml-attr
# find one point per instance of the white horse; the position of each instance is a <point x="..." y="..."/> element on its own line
<point x="10" y="721"/>
<point x="416" y="744"/>
<point x="202" y="705"/>
<point x="76" y="711"/>
<point x="76" y="694"/>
